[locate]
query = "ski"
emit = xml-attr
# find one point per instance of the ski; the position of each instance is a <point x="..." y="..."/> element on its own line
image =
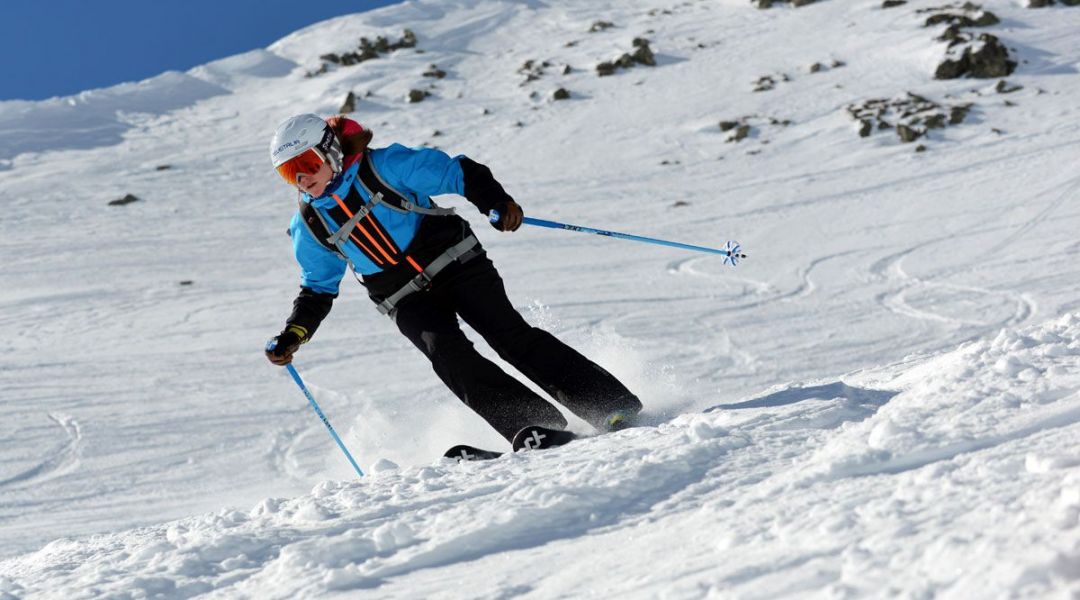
<point x="535" y="437"/>
<point x="464" y="452"/>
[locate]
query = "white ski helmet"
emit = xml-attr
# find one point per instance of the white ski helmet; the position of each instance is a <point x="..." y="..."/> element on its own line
<point x="301" y="133"/>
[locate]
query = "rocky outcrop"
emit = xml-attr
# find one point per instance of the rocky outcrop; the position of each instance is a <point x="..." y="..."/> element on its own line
<point x="750" y="126"/>
<point x="968" y="55"/>
<point x="912" y="116"/>
<point x="369" y="50"/>
<point x="642" y="55"/>
<point x="982" y="57"/>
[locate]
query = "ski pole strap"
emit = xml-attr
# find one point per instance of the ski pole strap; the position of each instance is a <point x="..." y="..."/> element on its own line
<point x="462" y="251"/>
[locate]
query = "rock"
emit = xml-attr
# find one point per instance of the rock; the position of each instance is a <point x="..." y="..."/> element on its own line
<point x="865" y="127"/>
<point x="771" y="3"/>
<point x="187" y="282"/>
<point x="920" y="148"/>
<point x="127" y="199"/>
<point x="561" y="94"/>
<point x="908" y="134"/>
<point x="893" y="3"/>
<point x="600" y="26"/>
<point x="728" y="125"/>
<point x="990" y="59"/>
<point x="643" y="55"/>
<point x="935" y="121"/>
<point x="816" y="68"/>
<point x="1004" y="87"/>
<point x="567" y="69"/>
<point x="680" y="203"/>
<point x="349" y="105"/>
<point x="741" y="133"/>
<point x="764" y="84"/>
<point x="957" y="114"/>
<point x="836" y="64"/>
<point x="984" y="19"/>
<point x="162" y="167"/>
<point x="434" y="71"/>
<point x="408" y="40"/>
<point x="320" y="71"/>
<point x="418" y="96"/>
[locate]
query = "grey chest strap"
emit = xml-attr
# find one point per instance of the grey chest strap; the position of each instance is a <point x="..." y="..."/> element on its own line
<point x="462" y="252"/>
<point x="343" y="233"/>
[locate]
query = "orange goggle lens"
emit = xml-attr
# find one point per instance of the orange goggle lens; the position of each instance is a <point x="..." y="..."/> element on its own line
<point x="307" y="163"/>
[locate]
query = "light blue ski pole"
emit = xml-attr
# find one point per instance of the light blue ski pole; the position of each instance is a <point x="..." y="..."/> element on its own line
<point x="732" y="252"/>
<point x="318" y="411"/>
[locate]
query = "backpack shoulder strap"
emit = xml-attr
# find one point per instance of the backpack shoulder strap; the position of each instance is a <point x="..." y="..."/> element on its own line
<point x="317" y="227"/>
<point x="383" y="193"/>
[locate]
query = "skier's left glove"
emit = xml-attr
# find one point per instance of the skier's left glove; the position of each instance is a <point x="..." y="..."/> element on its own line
<point x="510" y="216"/>
<point x="280" y="349"/>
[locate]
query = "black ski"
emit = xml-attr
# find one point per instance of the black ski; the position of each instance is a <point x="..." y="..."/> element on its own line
<point x="463" y="452"/>
<point x="535" y="437"/>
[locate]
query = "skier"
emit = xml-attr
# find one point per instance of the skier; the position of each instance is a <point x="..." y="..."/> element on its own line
<point x="370" y="209"/>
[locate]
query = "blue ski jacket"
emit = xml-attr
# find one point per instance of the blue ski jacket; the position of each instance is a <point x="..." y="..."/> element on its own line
<point x="418" y="173"/>
<point x="386" y="249"/>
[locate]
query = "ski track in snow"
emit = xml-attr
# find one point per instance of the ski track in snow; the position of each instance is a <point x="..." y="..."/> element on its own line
<point x="63" y="459"/>
<point x="882" y="400"/>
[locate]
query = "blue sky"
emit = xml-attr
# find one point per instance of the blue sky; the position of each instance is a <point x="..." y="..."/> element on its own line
<point x="62" y="47"/>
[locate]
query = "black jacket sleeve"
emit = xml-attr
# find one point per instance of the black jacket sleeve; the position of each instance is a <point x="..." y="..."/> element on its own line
<point x="309" y="309"/>
<point x="481" y="188"/>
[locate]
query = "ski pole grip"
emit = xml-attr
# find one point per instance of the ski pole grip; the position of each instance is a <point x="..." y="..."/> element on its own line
<point x="494" y="216"/>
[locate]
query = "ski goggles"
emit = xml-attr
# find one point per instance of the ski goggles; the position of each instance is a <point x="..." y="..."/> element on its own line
<point x="306" y="163"/>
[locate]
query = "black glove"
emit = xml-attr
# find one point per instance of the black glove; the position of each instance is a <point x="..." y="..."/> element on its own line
<point x="510" y="216"/>
<point x="280" y="349"/>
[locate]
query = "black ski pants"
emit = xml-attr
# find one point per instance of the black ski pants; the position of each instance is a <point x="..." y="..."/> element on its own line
<point x="474" y="291"/>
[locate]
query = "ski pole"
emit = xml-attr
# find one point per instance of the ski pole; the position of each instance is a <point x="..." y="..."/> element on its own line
<point x="732" y="252"/>
<point x="318" y="411"/>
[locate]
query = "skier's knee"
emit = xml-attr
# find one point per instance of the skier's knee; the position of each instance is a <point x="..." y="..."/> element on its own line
<point x="444" y="345"/>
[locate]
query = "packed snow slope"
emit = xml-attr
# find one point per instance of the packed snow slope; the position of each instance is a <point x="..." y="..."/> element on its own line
<point x="883" y="400"/>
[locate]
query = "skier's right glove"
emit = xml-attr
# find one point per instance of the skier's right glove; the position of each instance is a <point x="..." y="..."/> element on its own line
<point x="510" y="216"/>
<point x="280" y="349"/>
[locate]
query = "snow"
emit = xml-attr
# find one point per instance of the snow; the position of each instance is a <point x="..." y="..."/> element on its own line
<point x="881" y="401"/>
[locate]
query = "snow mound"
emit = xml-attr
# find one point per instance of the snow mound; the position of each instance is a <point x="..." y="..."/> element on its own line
<point x="96" y="117"/>
<point x="983" y="394"/>
<point x="230" y="72"/>
<point x="353" y="535"/>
